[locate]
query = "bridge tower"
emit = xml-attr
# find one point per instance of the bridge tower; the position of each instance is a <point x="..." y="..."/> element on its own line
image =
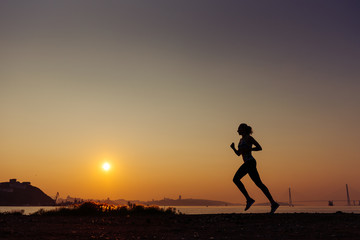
<point x="290" y="200"/>
<point x="347" y="195"/>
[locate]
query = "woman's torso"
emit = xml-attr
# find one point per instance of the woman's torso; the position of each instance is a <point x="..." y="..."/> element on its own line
<point x="245" y="148"/>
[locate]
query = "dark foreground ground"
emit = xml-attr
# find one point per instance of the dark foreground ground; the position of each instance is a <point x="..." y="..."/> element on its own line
<point x="220" y="226"/>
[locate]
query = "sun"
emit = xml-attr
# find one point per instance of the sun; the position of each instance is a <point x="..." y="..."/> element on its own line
<point x="106" y="166"/>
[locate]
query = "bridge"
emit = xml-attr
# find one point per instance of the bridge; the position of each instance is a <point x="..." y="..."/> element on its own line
<point x="348" y="201"/>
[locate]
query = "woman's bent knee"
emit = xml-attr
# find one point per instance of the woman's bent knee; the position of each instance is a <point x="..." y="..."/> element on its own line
<point x="236" y="180"/>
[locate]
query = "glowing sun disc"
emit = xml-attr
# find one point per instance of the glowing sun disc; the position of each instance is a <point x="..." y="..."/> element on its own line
<point x="106" y="166"/>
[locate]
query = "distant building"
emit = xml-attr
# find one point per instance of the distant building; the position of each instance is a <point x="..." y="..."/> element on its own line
<point x="16" y="184"/>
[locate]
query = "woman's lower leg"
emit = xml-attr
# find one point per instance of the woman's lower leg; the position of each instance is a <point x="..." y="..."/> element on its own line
<point x="267" y="193"/>
<point x="242" y="188"/>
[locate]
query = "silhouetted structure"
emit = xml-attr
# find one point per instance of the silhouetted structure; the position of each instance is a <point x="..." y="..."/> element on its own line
<point x="290" y="200"/>
<point x="57" y="196"/>
<point x="347" y="195"/>
<point x="14" y="193"/>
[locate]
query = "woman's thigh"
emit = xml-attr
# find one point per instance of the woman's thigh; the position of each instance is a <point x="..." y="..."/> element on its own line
<point x="242" y="171"/>
<point x="254" y="174"/>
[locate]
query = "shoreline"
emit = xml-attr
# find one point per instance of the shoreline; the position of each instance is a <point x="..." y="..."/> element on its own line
<point x="219" y="209"/>
<point x="204" y="226"/>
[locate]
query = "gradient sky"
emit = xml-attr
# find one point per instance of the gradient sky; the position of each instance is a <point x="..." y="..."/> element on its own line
<point x="158" y="88"/>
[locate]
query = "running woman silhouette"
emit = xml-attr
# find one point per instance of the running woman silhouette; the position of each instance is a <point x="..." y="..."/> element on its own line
<point x="245" y="148"/>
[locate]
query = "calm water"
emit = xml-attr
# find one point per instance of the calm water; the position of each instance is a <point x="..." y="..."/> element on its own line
<point x="228" y="209"/>
<point x="265" y="209"/>
<point x="27" y="210"/>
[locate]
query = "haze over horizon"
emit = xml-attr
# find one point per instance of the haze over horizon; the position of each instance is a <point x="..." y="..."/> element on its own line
<point x="158" y="89"/>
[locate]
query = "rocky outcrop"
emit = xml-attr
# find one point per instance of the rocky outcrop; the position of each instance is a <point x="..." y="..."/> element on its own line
<point x="14" y="193"/>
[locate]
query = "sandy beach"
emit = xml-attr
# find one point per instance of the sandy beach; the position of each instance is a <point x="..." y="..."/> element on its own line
<point x="219" y="226"/>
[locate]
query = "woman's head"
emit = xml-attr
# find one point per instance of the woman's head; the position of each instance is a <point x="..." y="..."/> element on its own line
<point x="244" y="129"/>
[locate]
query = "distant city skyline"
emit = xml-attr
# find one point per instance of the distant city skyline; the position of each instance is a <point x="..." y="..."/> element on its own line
<point x="158" y="89"/>
<point x="59" y="199"/>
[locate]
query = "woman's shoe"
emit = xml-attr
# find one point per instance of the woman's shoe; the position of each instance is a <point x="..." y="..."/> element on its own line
<point x="274" y="206"/>
<point x="249" y="203"/>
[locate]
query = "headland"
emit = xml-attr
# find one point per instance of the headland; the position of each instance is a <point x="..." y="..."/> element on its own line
<point x="15" y="193"/>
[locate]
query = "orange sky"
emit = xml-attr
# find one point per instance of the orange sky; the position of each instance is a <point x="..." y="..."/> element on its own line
<point x="158" y="90"/>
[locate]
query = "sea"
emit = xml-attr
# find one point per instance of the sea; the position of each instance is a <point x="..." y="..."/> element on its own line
<point x="220" y="209"/>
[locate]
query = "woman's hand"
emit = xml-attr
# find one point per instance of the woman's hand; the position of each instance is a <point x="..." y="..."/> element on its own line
<point x="237" y="152"/>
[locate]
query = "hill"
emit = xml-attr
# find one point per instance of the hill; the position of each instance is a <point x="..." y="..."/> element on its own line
<point x="14" y="193"/>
